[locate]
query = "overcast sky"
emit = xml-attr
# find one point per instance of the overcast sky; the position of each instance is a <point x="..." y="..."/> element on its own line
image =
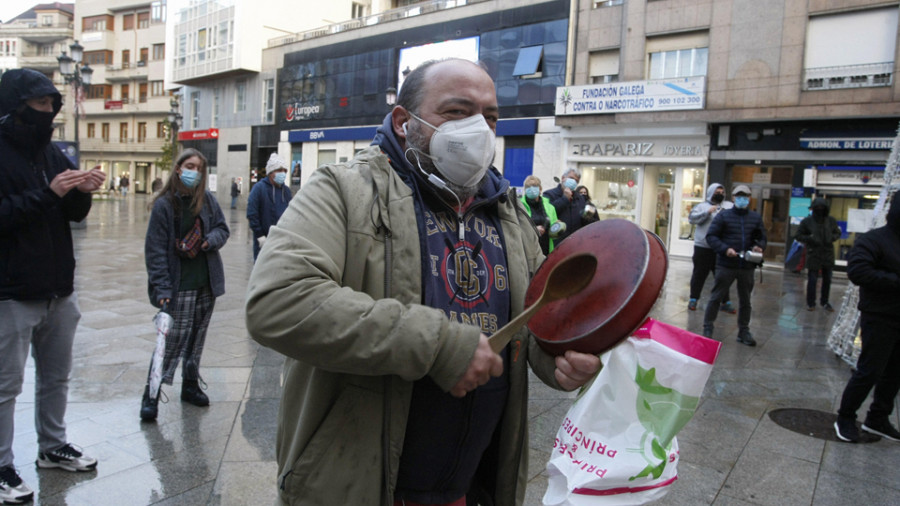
<point x="12" y="8"/>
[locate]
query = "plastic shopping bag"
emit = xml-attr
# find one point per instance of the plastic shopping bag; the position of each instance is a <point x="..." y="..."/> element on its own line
<point x="792" y="261"/>
<point x="617" y="443"/>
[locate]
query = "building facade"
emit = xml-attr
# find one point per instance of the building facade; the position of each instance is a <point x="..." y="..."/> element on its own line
<point x="786" y="96"/>
<point x="227" y="99"/>
<point x="33" y="40"/>
<point x="124" y="127"/>
<point x="334" y="85"/>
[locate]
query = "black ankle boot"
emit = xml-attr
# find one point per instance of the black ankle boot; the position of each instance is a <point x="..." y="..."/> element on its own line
<point x="191" y="393"/>
<point x="148" y="405"/>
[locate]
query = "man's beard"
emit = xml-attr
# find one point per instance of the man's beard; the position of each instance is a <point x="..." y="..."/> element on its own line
<point x="420" y="144"/>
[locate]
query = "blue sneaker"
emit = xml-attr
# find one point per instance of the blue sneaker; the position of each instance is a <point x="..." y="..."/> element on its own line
<point x="729" y="308"/>
<point x="692" y="304"/>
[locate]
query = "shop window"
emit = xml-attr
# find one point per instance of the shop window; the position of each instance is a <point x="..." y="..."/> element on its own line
<point x="682" y="55"/>
<point x="528" y="65"/>
<point x="837" y="57"/>
<point x="614" y="190"/>
<point x="604" y="66"/>
<point x="693" y="192"/>
<point x="327" y="156"/>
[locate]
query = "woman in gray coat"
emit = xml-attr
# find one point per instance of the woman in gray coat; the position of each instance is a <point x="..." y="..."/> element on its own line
<point x="184" y="271"/>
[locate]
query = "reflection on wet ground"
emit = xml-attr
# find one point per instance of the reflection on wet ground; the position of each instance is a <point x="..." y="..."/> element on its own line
<point x="731" y="452"/>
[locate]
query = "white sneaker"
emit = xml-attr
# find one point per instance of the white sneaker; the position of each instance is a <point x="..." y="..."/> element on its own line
<point x="12" y="489"/>
<point x="67" y="458"/>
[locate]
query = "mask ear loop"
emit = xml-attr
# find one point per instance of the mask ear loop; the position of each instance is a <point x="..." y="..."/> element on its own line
<point x="432" y="178"/>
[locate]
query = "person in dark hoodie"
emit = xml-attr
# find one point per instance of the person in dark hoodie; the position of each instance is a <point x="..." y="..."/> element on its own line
<point x="381" y="284"/>
<point x="40" y="193"/>
<point x="819" y="231"/>
<point x="874" y="265"/>
<point x="267" y="201"/>
<point x="732" y="233"/>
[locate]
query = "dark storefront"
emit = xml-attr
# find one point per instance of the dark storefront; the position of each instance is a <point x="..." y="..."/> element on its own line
<point x="787" y="163"/>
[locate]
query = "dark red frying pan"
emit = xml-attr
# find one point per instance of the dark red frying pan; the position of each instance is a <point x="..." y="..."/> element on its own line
<point x="631" y="269"/>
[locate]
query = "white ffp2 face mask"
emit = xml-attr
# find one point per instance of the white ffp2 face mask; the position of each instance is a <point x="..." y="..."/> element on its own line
<point x="462" y="150"/>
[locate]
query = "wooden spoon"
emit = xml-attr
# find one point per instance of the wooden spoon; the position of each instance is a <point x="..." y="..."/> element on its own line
<point x="567" y="278"/>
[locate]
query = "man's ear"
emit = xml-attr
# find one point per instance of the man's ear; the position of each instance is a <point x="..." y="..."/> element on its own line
<point x="399" y="116"/>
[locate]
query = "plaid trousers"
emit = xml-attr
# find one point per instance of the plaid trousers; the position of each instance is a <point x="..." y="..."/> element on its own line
<point x="187" y="336"/>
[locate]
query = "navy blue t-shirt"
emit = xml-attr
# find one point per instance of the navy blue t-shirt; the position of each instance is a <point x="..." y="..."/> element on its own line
<point x="446" y="437"/>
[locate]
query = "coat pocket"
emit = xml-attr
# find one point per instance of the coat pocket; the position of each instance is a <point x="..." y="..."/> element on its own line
<point x="342" y="463"/>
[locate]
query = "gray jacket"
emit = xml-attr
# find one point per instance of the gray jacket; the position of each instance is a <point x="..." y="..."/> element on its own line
<point x="700" y="216"/>
<point x="164" y="265"/>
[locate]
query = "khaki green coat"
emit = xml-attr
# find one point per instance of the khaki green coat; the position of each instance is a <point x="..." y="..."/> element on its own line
<point x="317" y="295"/>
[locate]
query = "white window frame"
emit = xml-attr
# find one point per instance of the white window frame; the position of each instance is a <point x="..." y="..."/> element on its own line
<point x="240" y="96"/>
<point x="693" y="45"/>
<point x="269" y="100"/>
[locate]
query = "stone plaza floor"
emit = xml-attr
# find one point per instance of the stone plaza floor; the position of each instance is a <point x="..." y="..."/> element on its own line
<point x="732" y="453"/>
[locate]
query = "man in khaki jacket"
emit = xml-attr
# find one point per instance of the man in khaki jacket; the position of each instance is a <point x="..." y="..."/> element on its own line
<point x="381" y="283"/>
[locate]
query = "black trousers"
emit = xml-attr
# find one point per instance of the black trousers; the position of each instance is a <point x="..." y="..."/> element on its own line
<point x="878" y="366"/>
<point x="704" y="262"/>
<point x="724" y="278"/>
<point x="812" y="277"/>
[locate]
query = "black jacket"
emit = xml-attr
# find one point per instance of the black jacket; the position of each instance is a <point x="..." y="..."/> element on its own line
<point x="740" y="229"/>
<point x="819" y="235"/>
<point x="874" y="264"/>
<point x="567" y="211"/>
<point x="36" y="257"/>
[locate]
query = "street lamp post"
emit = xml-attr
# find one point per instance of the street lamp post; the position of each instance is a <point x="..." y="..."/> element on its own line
<point x="174" y="120"/>
<point x="390" y="96"/>
<point x="78" y="75"/>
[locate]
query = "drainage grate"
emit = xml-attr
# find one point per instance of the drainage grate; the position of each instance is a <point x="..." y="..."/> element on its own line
<point x="812" y="423"/>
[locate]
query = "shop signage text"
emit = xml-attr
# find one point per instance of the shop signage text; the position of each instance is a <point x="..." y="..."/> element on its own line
<point x="298" y="112"/>
<point x="847" y="143"/>
<point x="645" y="149"/>
<point x="112" y="104"/>
<point x="196" y="135"/>
<point x="634" y="96"/>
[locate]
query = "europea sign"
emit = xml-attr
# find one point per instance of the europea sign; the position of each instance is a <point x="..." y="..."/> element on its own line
<point x="643" y="149"/>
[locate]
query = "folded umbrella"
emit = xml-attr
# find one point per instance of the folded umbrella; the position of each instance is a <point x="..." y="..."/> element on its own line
<point x="163" y="321"/>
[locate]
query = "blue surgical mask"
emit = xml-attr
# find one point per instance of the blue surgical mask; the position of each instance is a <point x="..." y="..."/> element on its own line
<point x="280" y="177"/>
<point x="532" y="192"/>
<point x="741" y="202"/>
<point x="190" y="178"/>
<point x="571" y="183"/>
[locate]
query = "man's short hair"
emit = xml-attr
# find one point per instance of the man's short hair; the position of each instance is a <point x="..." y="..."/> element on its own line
<point x="572" y="169"/>
<point x="412" y="92"/>
<point x="532" y="180"/>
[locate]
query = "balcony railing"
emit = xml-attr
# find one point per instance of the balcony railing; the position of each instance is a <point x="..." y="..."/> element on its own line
<point x="126" y="72"/>
<point x="382" y="17"/>
<point x="130" y="144"/>
<point x="849" y="76"/>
